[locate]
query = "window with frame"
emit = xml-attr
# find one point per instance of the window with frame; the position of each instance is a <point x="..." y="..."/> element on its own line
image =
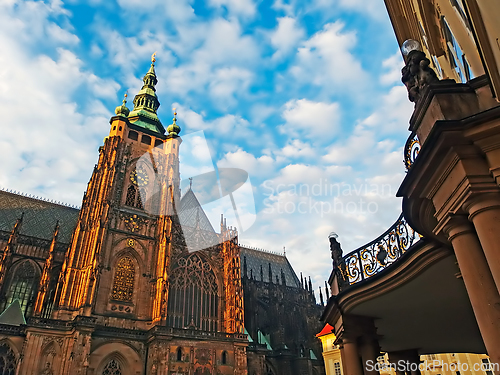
<point x="23" y="286"/>
<point x="459" y="6"/>
<point x="123" y="283"/>
<point x="455" y="54"/>
<point x="193" y="295"/>
<point x="133" y="135"/>
<point x="133" y="198"/>
<point x="337" y="369"/>
<point x="8" y="360"/>
<point x="486" y="366"/>
<point x="112" y="368"/>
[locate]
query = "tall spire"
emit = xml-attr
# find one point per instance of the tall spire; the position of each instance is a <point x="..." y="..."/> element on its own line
<point x="146" y="103"/>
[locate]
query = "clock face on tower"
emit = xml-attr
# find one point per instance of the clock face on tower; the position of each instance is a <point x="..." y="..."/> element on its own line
<point x="139" y="177"/>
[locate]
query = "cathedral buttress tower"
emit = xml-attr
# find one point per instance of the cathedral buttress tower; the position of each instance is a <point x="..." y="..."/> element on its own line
<point x="117" y="266"/>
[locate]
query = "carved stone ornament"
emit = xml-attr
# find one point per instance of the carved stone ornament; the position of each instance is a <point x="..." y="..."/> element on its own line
<point x="134" y="223"/>
<point x="417" y="74"/>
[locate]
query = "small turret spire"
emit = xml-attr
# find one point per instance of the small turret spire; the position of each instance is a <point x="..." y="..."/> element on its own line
<point x="122" y="110"/>
<point x="174" y="129"/>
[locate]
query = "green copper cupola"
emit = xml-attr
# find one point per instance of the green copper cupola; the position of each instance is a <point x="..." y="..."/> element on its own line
<point x="146" y="103"/>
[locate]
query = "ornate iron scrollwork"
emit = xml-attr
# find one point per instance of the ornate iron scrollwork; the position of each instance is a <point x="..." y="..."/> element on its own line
<point x="374" y="257"/>
<point x="412" y="148"/>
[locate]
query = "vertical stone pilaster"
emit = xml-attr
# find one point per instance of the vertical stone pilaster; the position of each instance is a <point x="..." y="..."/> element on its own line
<point x="479" y="282"/>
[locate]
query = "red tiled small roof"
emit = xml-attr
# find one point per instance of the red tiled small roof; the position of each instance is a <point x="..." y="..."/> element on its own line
<point x="326" y="330"/>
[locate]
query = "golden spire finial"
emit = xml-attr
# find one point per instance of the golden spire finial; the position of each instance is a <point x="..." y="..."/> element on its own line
<point x="153" y="57"/>
<point x="175" y="114"/>
<point x="125" y="97"/>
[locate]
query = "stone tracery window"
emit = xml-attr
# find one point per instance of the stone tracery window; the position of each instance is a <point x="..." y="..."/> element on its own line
<point x="112" y="368"/>
<point x="131" y="193"/>
<point x="23" y="286"/>
<point x="123" y="283"/>
<point x="8" y="360"/>
<point x="134" y="197"/>
<point x="193" y="296"/>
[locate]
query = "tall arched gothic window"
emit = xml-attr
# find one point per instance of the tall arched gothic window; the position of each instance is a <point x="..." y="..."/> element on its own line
<point x="123" y="283"/>
<point x="193" y="296"/>
<point x="134" y="197"/>
<point x="112" y="368"/>
<point x="8" y="360"/>
<point x="23" y="284"/>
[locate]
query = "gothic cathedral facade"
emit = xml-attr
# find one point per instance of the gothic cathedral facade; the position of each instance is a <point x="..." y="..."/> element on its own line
<point x="121" y="294"/>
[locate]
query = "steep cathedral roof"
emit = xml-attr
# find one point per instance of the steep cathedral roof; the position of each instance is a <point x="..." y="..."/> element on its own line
<point x="191" y="214"/>
<point x="258" y="259"/>
<point x="39" y="217"/>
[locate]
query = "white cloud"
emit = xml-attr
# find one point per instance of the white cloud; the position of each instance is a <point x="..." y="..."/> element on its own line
<point x="393" y="64"/>
<point x="298" y="149"/>
<point x="237" y="7"/>
<point x="176" y="11"/>
<point x="286" y="36"/>
<point x="226" y="82"/>
<point x="54" y="149"/>
<point x="255" y="166"/>
<point x="326" y="61"/>
<point x="375" y="9"/>
<point x="310" y="119"/>
<point x="230" y="125"/>
<point x="58" y="34"/>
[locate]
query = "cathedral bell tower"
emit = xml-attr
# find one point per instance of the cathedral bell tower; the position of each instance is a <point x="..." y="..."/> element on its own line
<point x="117" y="264"/>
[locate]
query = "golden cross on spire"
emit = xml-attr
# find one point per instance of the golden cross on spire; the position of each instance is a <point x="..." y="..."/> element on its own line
<point x="175" y="114"/>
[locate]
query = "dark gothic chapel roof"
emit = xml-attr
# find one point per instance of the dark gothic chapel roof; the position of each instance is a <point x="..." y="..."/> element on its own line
<point x="39" y="216"/>
<point x="257" y="259"/>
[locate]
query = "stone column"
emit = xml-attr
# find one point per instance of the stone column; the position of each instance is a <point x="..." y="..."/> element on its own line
<point x="481" y="288"/>
<point x="370" y="351"/>
<point x="484" y="212"/>
<point x="351" y="361"/>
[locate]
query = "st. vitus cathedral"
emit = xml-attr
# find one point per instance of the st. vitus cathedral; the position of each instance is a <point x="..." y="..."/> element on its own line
<point x="113" y="288"/>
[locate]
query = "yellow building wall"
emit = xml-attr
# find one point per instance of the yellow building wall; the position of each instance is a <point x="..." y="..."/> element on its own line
<point x="445" y="364"/>
<point x="434" y="364"/>
<point x="331" y="355"/>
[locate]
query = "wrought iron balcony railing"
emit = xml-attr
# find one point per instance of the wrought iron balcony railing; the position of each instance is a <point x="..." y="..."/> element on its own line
<point x="412" y="148"/>
<point x="374" y="257"/>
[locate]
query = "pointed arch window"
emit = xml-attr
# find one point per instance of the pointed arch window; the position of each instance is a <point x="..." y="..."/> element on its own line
<point x="123" y="283"/>
<point x="8" y="361"/>
<point x="193" y="295"/>
<point x="23" y="286"/>
<point x="134" y="197"/>
<point x="112" y="368"/>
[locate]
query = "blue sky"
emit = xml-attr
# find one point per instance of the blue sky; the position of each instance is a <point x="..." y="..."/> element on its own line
<point x="297" y="93"/>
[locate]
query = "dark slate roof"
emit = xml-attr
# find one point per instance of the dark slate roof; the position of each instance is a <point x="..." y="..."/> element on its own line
<point x="256" y="258"/>
<point x="191" y="213"/>
<point x="40" y="217"/>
